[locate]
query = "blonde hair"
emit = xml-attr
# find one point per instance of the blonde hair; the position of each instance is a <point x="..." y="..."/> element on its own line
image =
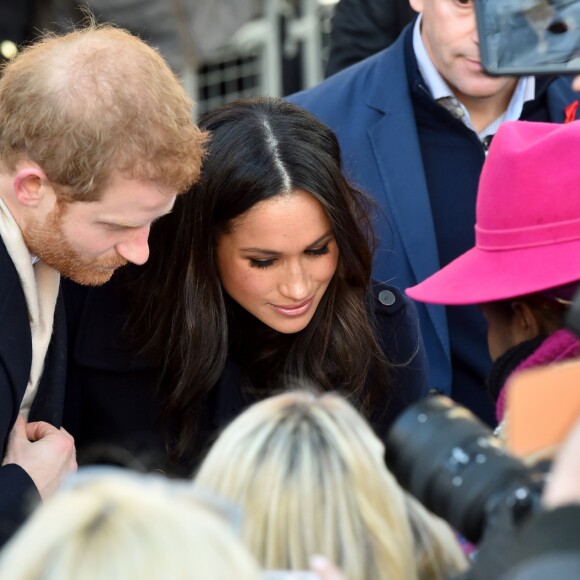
<point x="124" y="527"/>
<point x="95" y="101"/>
<point x="437" y="550"/>
<point x="310" y="476"/>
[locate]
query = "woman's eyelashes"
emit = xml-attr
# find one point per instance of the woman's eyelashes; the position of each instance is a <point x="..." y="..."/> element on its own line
<point x="314" y="252"/>
<point x="260" y="263"/>
<point x="318" y="251"/>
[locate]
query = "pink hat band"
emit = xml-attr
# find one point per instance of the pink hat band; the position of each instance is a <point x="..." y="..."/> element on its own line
<point x="528" y="219"/>
<point x="509" y="239"/>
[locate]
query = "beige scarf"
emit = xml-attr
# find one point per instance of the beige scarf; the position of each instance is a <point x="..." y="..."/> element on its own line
<point x="40" y="285"/>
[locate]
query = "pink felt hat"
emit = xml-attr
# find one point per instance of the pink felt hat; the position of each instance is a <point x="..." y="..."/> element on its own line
<point x="527" y="235"/>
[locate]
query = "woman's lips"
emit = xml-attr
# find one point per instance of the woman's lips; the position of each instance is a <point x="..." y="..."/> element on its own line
<point x="293" y="310"/>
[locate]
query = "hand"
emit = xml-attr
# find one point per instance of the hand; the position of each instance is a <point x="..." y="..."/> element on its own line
<point x="576" y="83"/>
<point x="46" y="453"/>
<point x="563" y="485"/>
<point x="325" y="569"/>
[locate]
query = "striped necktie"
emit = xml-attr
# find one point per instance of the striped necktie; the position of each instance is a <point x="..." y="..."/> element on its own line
<point x="451" y="104"/>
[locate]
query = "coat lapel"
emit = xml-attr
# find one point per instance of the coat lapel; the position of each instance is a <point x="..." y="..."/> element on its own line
<point x="16" y="353"/>
<point x="403" y="194"/>
<point x="15" y="344"/>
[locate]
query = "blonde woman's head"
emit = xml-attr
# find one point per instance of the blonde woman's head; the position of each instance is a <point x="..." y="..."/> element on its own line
<point x="310" y="476"/>
<point x="124" y="527"/>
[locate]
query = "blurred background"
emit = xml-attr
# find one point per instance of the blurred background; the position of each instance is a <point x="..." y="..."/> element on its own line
<point x="222" y="49"/>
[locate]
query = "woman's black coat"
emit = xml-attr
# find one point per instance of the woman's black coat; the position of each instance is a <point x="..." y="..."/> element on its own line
<point x="111" y="403"/>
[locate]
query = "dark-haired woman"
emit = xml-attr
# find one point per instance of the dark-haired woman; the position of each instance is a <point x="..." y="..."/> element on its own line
<point x="261" y="273"/>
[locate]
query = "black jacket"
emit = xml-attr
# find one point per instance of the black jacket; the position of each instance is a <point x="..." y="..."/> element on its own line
<point x="363" y="27"/>
<point x="112" y="407"/>
<point x="17" y="491"/>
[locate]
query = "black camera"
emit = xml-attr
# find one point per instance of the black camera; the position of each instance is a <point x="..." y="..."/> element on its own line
<point x="454" y="465"/>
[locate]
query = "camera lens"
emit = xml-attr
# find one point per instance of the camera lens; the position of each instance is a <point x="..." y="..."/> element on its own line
<point x="558" y="27"/>
<point x="450" y="461"/>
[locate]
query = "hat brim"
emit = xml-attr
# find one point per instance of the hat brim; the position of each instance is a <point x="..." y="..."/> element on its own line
<point x="480" y="276"/>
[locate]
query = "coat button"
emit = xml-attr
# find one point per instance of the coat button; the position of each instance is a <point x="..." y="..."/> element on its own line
<point x="386" y="297"/>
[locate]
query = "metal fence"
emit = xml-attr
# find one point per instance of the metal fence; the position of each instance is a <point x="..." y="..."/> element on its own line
<point x="256" y="59"/>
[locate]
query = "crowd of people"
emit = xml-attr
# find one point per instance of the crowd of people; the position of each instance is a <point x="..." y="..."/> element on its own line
<point x="246" y="304"/>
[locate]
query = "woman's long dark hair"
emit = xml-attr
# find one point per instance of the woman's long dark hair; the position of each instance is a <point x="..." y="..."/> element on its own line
<point x="259" y="149"/>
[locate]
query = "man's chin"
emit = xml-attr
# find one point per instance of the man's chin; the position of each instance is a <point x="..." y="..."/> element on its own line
<point x="483" y="86"/>
<point x="91" y="277"/>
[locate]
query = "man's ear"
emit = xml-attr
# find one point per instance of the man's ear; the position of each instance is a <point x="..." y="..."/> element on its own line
<point x="525" y="324"/>
<point x="30" y="186"/>
<point x="416" y="5"/>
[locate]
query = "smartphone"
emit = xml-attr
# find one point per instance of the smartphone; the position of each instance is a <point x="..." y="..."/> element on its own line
<point x="543" y="404"/>
<point x="529" y="37"/>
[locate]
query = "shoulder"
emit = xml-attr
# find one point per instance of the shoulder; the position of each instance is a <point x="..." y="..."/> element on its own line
<point x="396" y="322"/>
<point x="351" y="84"/>
<point x="560" y="95"/>
<point x="562" y="85"/>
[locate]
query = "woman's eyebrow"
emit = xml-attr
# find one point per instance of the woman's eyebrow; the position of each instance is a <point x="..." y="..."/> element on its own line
<point x="325" y="237"/>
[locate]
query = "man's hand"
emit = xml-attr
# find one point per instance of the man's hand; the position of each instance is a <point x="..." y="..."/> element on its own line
<point x="46" y="453"/>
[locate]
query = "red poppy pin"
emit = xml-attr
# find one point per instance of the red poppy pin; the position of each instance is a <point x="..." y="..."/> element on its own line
<point x="570" y="112"/>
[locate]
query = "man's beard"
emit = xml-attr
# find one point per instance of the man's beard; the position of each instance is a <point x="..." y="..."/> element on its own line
<point x="47" y="241"/>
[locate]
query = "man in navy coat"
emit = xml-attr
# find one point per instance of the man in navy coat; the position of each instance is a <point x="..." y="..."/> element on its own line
<point x="414" y="122"/>
<point x="82" y="178"/>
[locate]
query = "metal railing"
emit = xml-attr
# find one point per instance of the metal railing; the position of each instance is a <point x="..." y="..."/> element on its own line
<point x="252" y="63"/>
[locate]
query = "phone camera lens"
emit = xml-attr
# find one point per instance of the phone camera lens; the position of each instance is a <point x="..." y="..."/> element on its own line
<point x="558" y="27"/>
